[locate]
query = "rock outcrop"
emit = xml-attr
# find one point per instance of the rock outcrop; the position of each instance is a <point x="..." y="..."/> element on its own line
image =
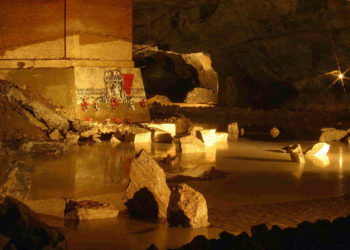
<point x="187" y="207"/>
<point x="147" y="195"/>
<point x="19" y="223"/>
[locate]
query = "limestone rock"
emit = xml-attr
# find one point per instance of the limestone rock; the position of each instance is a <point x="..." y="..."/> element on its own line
<point x="108" y="128"/>
<point x="201" y="95"/>
<point x="208" y="136"/>
<point x="89" y="133"/>
<point x="274" y="132"/>
<point x="161" y="99"/>
<point x="43" y="147"/>
<point x="332" y="134"/>
<point x="114" y="140"/>
<point x="167" y="127"/>
<point x="187" y="207"/>
<point x="24" y="228"/>
<point x="81" y="126"/>
<point x="16" y="180"/>
<point x="133" y="133"/>
<point x="191" y="144"/>
<point x="147" y="195"/>
<point x="72" y="138"/>
<point x="296" y="153"/>
<point x="96" y="138"/>
<point x="170" y="163"/>
<point x="88" y="210"/>
<point x="320" y="148"/>
<point x="221" y="136"/>
<point x="55" y="135"/>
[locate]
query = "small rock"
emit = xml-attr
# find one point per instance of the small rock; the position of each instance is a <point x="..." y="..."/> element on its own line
<point x="201" y="95"/>
<point x="72" y="138"/>
<point x="114" y="140"/>
<point x="332" y="134"/>
<point x="81" y="126"/>
<point x="88" y="210"/>
<point x="274" y="132"/>
<point x="296" y="153"/>
<point x="161" y="99"/>
<point x="147" y="195"/>
<point x="161" y="136"/>
<point x="187" y="207"/>
<point x="321" y="148"/>
<point x="96" y="138"/>
<point x="89" y="133"/>
<point x="55" y="135"/>
<point x="167" y="127"/>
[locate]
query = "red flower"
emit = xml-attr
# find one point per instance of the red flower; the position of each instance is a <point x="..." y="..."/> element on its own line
<point x="86" y="118"/>
<point x="143" y="103"/>
<point x="117" y="120"/>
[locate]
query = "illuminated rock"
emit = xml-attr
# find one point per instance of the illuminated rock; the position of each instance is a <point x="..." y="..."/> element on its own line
<point x="233" y="131"/>
<point x="43" y="147"/>
<point x="296" y="153"/>
<point x="147" y="195"/>
<point x="207" y="136"/>
<point x="195" y="129"/>
<point x="89" y="210"/>
<point x="191" y="144"/>
<point x="321" y="148"/>
<point x="24" y="228"/>
<point x="72" y="138"/>
<point x="81" y="126"/>
<point x="96" y="138"/>
<point x="108" y="128"/>
<point x="221" y="137"/>
<point x="55" y="135"/>
<point x="167" y="127"/>
<point x="274" y="132"/>
<point x="16" y="180"/>
<point x="144" y="137"/>
<point x="187" y="207"/>
<point x="332" y="134"/>
<point x="133" y="133"/>
<point x="114" y="140"/>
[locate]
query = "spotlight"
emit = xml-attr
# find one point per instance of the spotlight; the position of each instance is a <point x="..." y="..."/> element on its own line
<point x="340" y="76"/>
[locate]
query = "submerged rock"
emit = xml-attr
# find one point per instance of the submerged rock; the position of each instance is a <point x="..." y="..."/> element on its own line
<point x="296" y="153"/>
<point x="332" y="134"/>
<point x="16" y="180"/>
<point x="147" y="195"/>
<point x="19" y="223"/>
<point x="43" y="147"/>
<point x="187" y="207"/>
<point x="88" y="210"/>
<point x="321" y="148"/>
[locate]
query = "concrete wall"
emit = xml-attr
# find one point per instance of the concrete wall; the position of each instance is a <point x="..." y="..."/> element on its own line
<point x="66" y="29"/>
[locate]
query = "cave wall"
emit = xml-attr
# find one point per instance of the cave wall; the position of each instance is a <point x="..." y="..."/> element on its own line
<point x="260" y="49"/>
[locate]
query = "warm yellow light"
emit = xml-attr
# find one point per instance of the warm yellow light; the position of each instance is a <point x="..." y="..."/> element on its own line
<point x="341" y="76"/>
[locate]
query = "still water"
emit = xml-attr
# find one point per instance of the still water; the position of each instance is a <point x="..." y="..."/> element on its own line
<point x="256" y="173"/>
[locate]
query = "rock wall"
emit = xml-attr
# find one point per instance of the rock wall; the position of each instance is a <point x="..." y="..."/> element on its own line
<point x="262" y="50"/>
